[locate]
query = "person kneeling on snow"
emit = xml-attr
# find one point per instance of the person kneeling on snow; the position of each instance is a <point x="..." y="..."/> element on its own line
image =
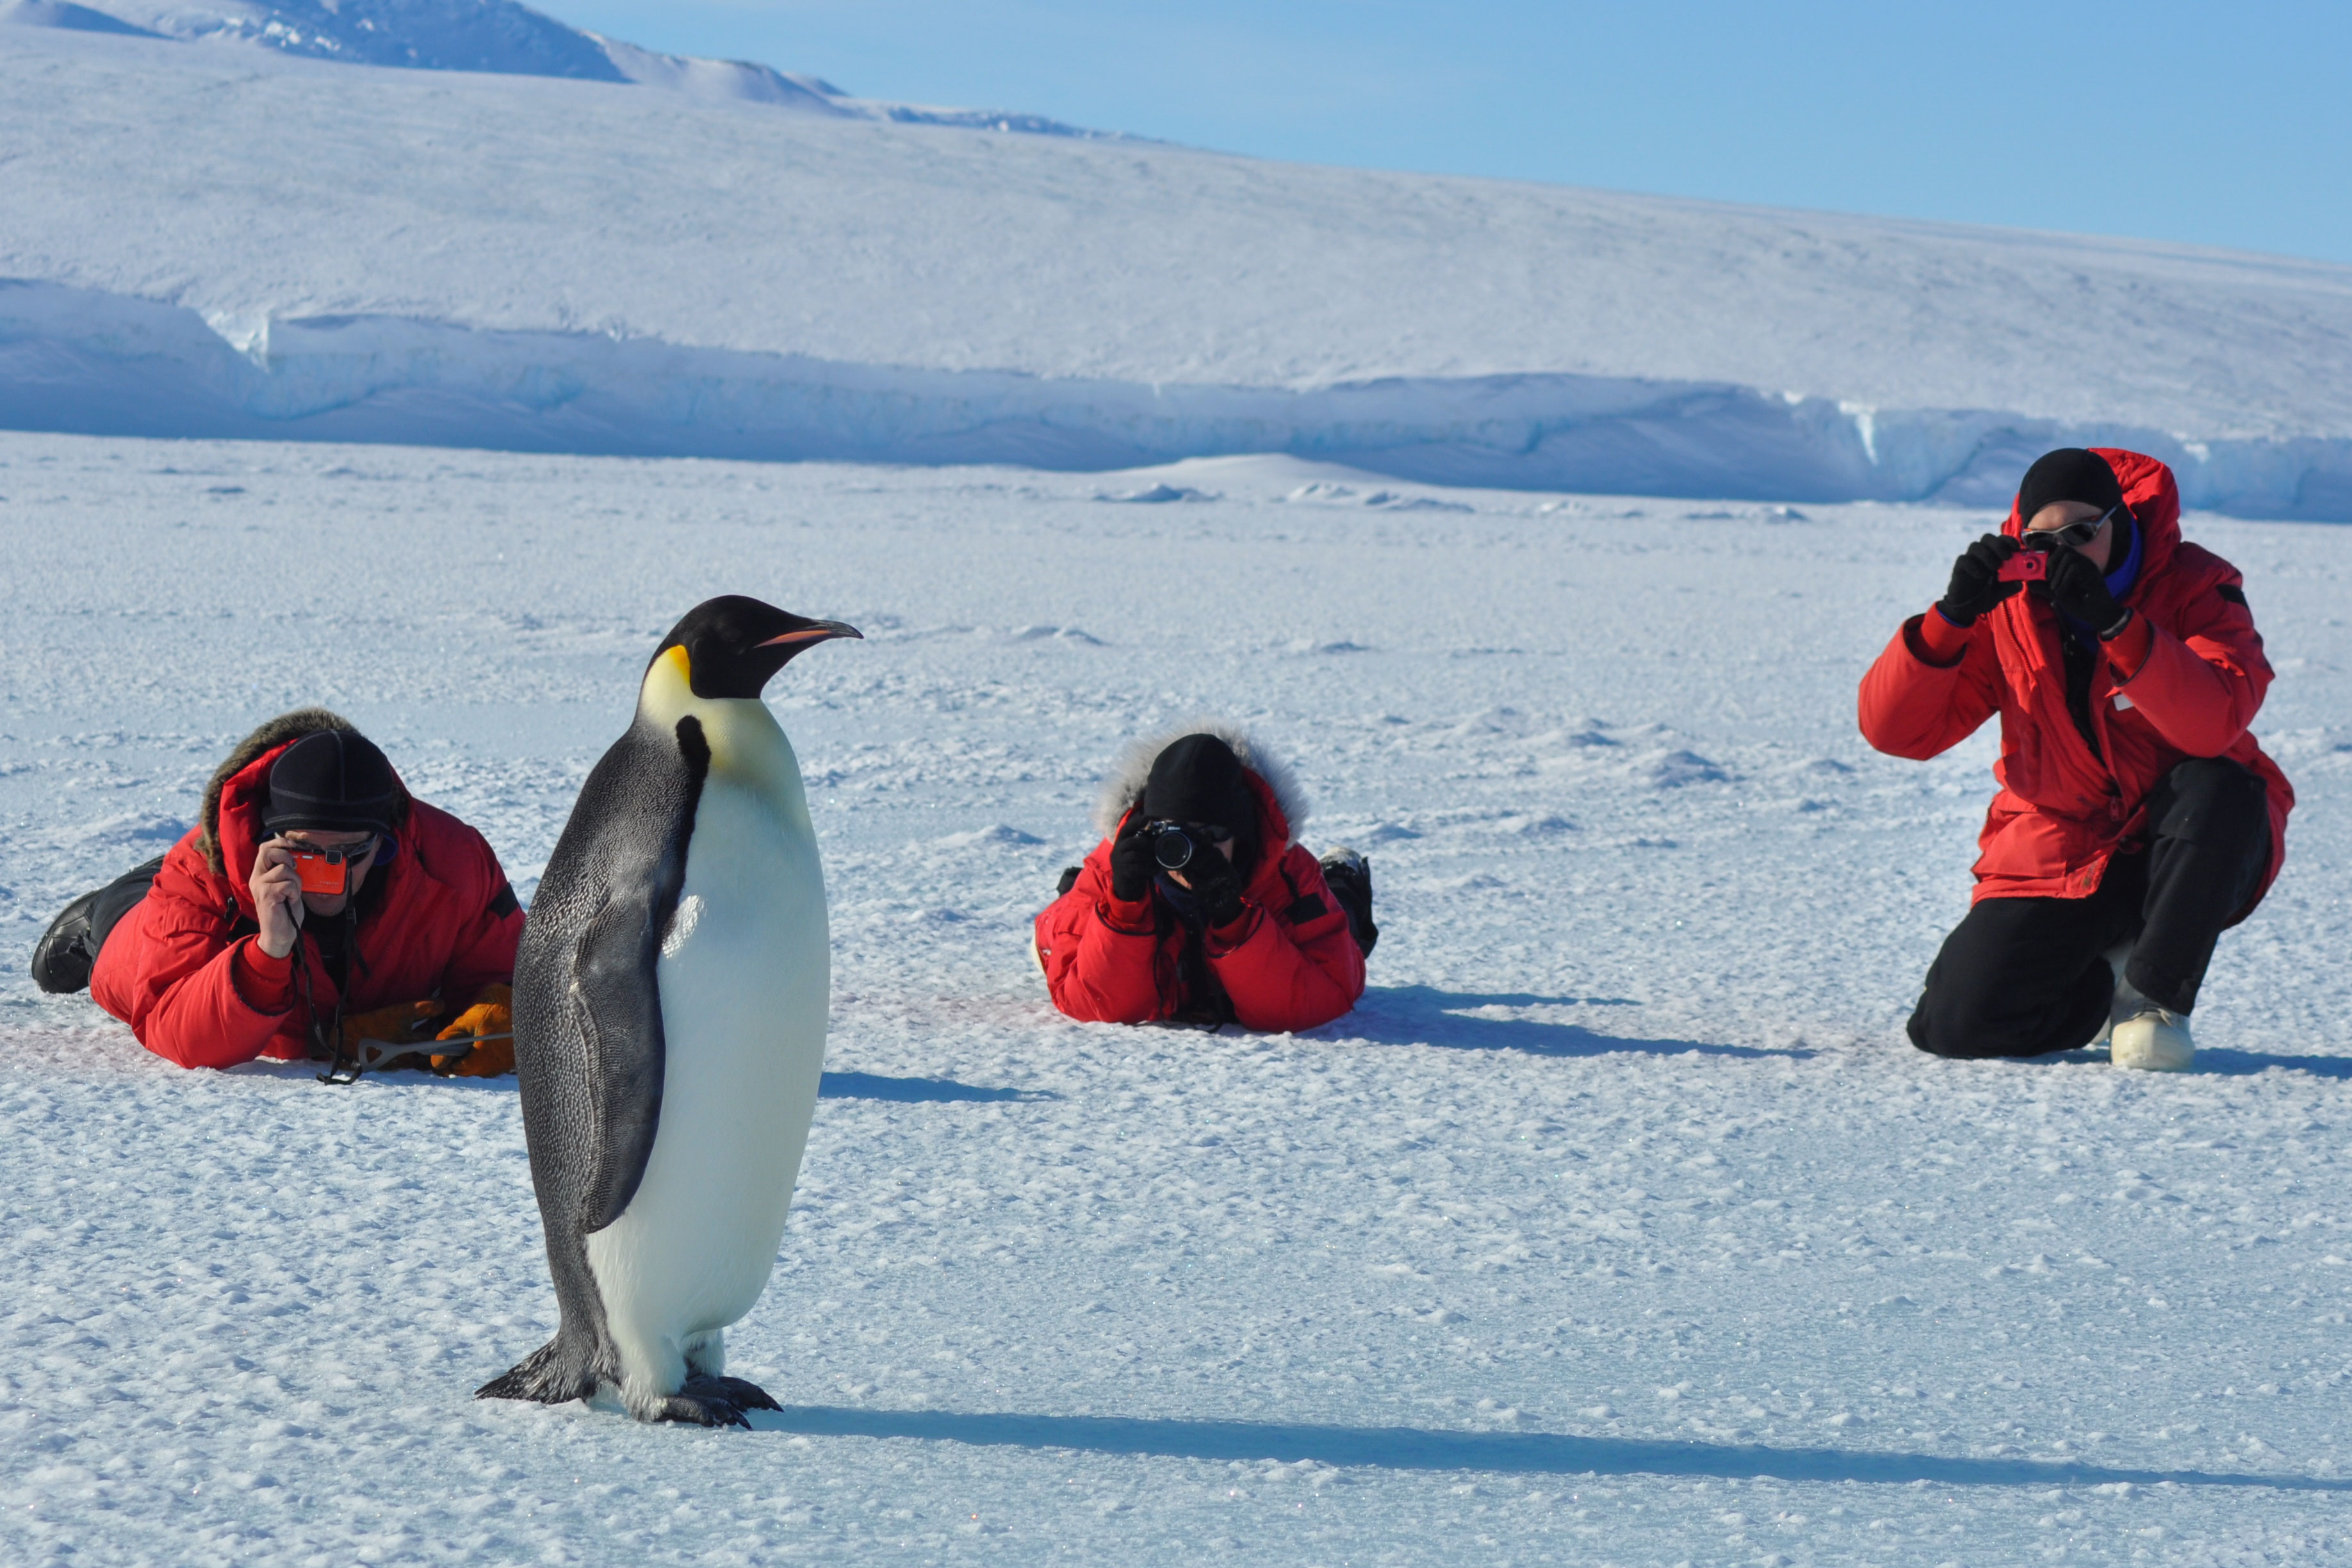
<point x="1197" y="907"/>
<point x="316" y="911"/>
<point x="2137" y="817"/>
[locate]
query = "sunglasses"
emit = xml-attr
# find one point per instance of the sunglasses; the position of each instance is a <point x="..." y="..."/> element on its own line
<point x="2074" y="535"/>
<point x="335" y="854"/>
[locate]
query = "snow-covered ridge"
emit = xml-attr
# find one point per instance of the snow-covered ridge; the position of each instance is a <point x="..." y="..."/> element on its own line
<point x="330" y="250"/>
<point x="80" y="361"/>
<point x="497" y="37"/>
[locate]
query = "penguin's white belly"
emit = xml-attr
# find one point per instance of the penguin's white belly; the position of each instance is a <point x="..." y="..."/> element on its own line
<point x="745" y="979"/>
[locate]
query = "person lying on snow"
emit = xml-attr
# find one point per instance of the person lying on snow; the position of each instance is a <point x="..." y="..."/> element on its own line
<point x="316" y="911"/>
<point x="2137" y="817"/>
<point x="1199" y="906"/>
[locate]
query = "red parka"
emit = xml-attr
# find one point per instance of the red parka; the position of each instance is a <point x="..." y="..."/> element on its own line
<point x="184" y="967"/>
<point x="2188" y="687"/>
<point x="1287" y="962"/>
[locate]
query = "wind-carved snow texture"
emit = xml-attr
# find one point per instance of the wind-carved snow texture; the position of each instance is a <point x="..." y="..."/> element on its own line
<point x="347" y="253"/>
<point x="1618" y="1224"/>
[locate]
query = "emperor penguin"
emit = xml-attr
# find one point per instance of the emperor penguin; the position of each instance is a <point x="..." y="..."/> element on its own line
<point x="670" y="1001"/>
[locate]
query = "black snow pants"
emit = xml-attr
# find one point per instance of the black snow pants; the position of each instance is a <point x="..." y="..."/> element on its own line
<point x="2020" y="977"/>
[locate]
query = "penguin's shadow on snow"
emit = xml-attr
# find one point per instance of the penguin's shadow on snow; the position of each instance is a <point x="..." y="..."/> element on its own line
<point x="873" y="1086"/>
<point x="833" y="1086"/>
<point x="1453" y="1020"/>
<point x="1507" y="1452"/>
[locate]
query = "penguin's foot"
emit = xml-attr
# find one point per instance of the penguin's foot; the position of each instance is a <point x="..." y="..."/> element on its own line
<point x="741" y="1394"/>
<point x="715" y="1401"/>
<point x="699" y="1410"/>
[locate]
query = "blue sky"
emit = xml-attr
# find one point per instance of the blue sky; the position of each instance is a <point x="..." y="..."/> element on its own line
<point x="2217" y="124"/>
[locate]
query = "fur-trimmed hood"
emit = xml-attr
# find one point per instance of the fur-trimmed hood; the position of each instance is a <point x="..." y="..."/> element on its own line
<point x="284" y="729"/>
<point x="1123" y="786"/>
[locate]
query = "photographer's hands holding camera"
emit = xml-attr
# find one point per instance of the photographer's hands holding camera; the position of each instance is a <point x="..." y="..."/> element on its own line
<point x="1215" y="881"/>
<point x="277" y="889"/>
<point x="2075" y="584"/>
<point x="2079" y="589"/>
<point x="1977" y="586"/>
<point x="1209" y="873"/>
<point x="1132" y="867"/>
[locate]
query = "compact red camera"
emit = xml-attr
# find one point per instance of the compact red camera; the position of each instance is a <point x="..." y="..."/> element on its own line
<point x="2026" y="566"/>
<point x="327" y="872"/>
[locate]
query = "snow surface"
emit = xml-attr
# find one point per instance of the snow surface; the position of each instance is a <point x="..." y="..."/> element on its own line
<point x="235" y="242"/>
<point x="1617" y="1225"/>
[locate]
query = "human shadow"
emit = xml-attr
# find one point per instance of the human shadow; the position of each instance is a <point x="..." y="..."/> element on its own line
<point x="873" y="1086"/>
<point x="1545" y="1453"/>
<point x="1424" y="1016"/>
<point x="2219" y="1061"/>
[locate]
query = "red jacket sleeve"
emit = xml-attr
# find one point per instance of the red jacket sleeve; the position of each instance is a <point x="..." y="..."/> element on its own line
<point x="1912" y="705"/>
<point x="1101" y="954"/>
<point x="190" y="992"/>
<point x="2202" y="688"/>
<point x="1284" y="974"/>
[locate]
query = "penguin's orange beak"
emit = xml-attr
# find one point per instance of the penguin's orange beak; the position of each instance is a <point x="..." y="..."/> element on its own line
<point x="814" y="632"/>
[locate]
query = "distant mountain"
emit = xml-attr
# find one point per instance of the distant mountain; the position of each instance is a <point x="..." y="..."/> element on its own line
<point x="73" y="19"/>
<point x="497" y="37"/>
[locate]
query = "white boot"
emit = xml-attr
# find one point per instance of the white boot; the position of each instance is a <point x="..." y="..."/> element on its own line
<point x="2127" y="998"/>
<point x="2153" y="1038"/>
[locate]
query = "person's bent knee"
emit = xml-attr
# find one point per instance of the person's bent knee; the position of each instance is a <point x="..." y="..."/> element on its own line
<point x="2214" y="790"/>
<point x="1959" y="1043"/>
<point x="1963" y="1028"/>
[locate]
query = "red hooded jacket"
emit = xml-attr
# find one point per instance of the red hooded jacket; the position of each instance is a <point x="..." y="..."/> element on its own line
<point x="2186" y="687"/>
<point x="1287" y="962"/>
<point x="184" y="968"/>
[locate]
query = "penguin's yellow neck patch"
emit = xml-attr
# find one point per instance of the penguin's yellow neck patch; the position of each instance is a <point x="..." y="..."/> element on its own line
<point x="743" y="736"/>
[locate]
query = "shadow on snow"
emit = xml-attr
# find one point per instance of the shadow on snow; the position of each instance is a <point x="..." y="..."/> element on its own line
<point x="873" y="1086"/>
<point x="2219" y="1062"/>
<point x="1545" y="1453"/>
<point x="1424" y="1016"/>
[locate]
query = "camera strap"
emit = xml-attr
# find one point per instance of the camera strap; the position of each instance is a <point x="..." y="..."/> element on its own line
<point x="343" y="1068"/>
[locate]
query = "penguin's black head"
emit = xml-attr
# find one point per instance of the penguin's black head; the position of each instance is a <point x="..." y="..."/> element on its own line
<point x="734" y="644"/>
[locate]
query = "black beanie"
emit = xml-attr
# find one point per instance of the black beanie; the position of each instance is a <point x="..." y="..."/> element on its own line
<point x="1199" y="779"/>
<point x="2070" y="473"/>
<point x="335" y="780"/>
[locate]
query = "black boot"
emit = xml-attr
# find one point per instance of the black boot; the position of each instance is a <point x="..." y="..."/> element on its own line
<point x="1350" y="877"/>
<point x="68" y="949"/>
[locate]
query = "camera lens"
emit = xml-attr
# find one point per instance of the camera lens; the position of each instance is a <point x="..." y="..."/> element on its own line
<point x="1172" y="846"/>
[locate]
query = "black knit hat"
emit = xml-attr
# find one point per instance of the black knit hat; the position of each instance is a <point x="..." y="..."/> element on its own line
<point x="2070" y="473"/>
<point x="1199" y="779"/>
<point x="335" y="780"/>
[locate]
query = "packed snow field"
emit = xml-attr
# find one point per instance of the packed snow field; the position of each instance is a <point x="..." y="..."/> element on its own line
<point x="210" y="240"/>
<point x="1618" y="1224"/>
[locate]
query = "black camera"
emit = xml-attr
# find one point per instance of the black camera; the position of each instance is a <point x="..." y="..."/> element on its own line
<point x="1172" y="845"/>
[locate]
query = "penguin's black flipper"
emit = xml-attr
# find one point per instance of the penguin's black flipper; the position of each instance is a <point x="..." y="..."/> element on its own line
<point x="588" y="1023"/>
<point x="617" y="1016"/>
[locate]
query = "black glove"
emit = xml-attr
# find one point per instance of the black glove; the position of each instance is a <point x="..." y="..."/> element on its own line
<point x="2079" y="589"/>
<point x="1216" y="884"/>
<point x="1976" y="580"/>
<point x="1131" y="865"/>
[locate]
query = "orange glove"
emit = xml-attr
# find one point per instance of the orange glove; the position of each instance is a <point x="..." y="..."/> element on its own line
<point x="491" y="1014"/>
<point x="398" y="1025"/>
